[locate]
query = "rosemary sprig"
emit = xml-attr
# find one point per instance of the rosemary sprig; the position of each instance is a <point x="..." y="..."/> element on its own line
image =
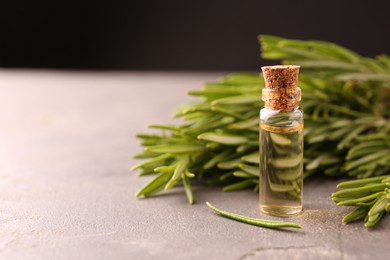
<point x="347" y="126"/>
<point x="254" y="221"/>
<point x="370" y="197"/>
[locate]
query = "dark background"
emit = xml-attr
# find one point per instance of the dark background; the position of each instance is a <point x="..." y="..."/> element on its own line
<point x="178" y="35"/>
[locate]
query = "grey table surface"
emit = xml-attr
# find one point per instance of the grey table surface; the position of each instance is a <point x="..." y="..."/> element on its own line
<point x="66" y="140"/>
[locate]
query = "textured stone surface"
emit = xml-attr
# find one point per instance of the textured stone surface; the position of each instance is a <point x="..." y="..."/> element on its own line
<point x="66" y="193"/>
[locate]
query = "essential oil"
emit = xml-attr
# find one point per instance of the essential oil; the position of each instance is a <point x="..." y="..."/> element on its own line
<point x="281" y="142"/>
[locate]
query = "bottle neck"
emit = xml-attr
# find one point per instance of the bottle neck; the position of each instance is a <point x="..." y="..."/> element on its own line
<point x="282" y="99"/>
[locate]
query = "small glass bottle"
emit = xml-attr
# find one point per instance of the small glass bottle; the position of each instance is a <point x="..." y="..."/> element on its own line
<point x="281" y="142"/>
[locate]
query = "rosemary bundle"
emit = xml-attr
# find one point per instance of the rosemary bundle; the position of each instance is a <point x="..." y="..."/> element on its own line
<point x="346" y="99"/>
<point x="370" y="197"/>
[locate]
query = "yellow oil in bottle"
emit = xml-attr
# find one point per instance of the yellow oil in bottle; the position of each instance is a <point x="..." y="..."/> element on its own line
<point x="281" y="169"/>
<point x="281" y="142"/>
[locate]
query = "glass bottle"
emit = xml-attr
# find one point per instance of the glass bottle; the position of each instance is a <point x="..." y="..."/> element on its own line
<point x="281" y="142"/>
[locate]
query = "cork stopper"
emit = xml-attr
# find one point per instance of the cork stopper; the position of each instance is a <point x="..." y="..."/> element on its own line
<point x="281" y="91"/>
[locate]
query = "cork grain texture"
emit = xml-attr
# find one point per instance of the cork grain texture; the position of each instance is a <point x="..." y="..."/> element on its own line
<point x="281" y="91"/>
